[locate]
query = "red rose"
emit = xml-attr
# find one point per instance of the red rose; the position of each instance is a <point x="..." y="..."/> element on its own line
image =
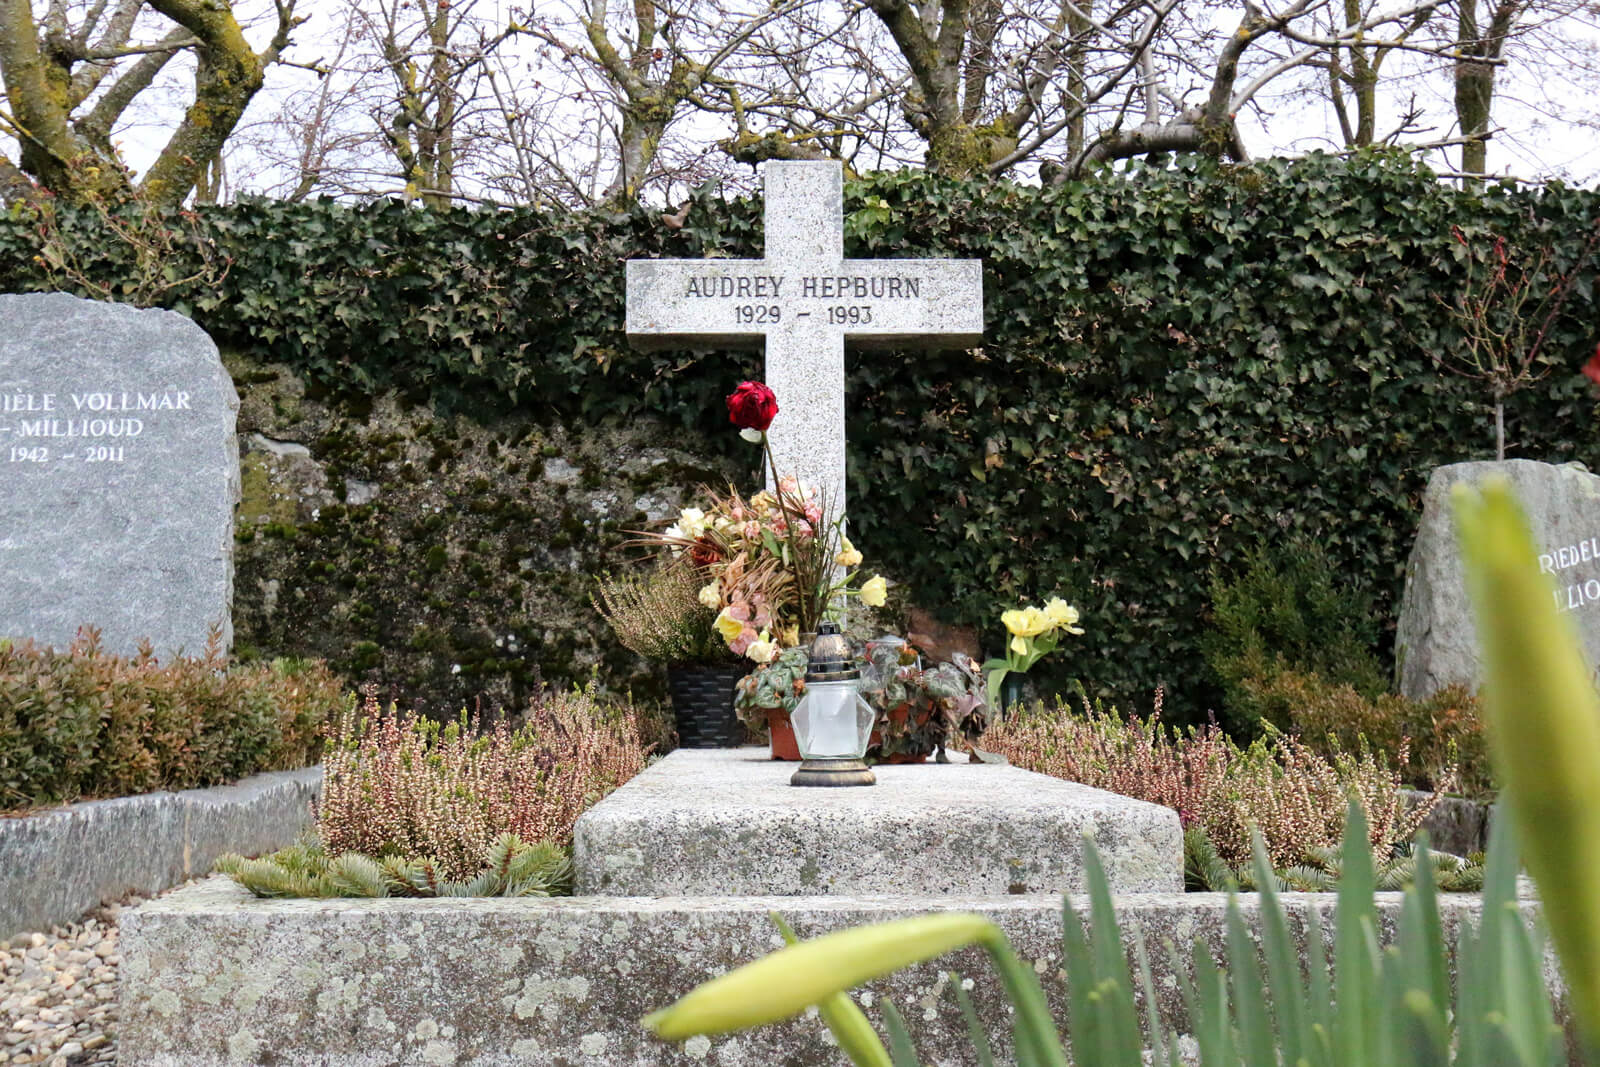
<point x="1591" y="368"/>
<point x="752" y="406"/>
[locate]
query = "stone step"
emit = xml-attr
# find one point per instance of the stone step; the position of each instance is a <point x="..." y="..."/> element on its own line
<point x="725" y="822"/>
<point x="213" y="976"/>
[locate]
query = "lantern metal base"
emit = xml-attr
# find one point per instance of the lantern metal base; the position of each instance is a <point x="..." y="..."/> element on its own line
<point x="833" y="772"/>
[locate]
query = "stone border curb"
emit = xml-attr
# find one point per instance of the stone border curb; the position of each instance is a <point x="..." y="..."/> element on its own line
<point x="214" y="976"/>
<point x="58" y="864"/>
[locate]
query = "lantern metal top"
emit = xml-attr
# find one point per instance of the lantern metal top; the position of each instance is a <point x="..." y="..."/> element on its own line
<point x="830" y="658"/>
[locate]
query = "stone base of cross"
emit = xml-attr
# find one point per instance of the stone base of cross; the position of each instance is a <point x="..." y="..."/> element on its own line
<point x="803" y="300"/>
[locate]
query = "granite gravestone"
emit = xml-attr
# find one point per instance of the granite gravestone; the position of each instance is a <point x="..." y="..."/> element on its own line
<point x="119" y="472"/>
<point x="1436" y="643"/>
<point x="802" y="300"/>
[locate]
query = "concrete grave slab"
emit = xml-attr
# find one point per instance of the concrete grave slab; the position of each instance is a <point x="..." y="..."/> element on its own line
<point x="709" y="822"/>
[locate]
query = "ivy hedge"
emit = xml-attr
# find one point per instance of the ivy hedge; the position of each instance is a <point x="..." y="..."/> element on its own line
<point x="1179" y="364"/>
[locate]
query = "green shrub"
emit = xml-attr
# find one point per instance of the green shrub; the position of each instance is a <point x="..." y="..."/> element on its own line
<point x="1441" y="737"/>
<point x="82" y="723"/>
<point x="1179" y="362"/>
<point x="1288" y="609"/>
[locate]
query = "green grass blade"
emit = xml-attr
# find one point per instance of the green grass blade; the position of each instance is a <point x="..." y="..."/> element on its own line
<point x="1288" y="990"/>
<point x="1082" y="1017"/>
<point x="1354" y="966"/>
<point x="901" y="1051"/>
<point x="1120" y="1042"/>
<point x="1033" y="1026"/>
<point x="1319" y="1048"/>
<point x="1152" y="1007"/>
<point x="975" y="1030"/>
<point x="1249" y="998"/>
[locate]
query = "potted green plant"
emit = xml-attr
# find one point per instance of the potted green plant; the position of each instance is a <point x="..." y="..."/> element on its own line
<point x="657" y="614"/>
<point x="766" y="697"/>
<point x="920" y="709"/>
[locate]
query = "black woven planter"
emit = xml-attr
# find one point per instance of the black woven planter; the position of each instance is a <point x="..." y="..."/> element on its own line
<point x="702" y="704"/>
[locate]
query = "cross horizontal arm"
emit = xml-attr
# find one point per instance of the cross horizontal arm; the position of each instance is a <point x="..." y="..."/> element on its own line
<point x="729" y="302"/>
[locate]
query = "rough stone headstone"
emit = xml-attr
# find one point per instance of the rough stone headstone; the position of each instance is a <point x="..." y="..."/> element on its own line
<point x="1436" y="644"/>
<point x="119" y="472"/>
<point x="803" y="299"/>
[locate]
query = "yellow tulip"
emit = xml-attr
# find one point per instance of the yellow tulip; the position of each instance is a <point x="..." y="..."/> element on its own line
<point x="1019" y="645"/>
<point x="875" y="591"/>
<point x="1544" y="728"/>
<point x="786" y="983"/>
<point x="848" y="556"/>
<point x="728" y="626"/>
<point x="1063" y="615"/>
<point x="1027" y="622"/>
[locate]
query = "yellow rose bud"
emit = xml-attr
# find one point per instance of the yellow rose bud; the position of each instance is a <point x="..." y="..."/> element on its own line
<point x="728" y="626"/>
<point x="711" y="595"/>
<point x="784" y="984"/>
<point x="875" y="592"/>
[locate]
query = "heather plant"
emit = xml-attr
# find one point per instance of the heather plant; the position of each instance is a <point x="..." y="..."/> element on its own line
<point x="83" y="723"/>
<point x="399" y="785"/>
<point x="656" y="613"/>
<point x="1275" y="785"/>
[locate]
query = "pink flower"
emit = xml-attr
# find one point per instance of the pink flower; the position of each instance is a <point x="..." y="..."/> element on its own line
<point x="813" y="514"/>
<point x="741" y="644"/>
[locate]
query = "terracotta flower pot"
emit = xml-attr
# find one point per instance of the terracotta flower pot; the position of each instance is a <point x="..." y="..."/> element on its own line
<point x="781" y="730"/>
<point x="897" y="715"/>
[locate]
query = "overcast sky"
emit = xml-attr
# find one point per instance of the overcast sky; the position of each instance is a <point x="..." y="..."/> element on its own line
<point x="1547" y="106"/>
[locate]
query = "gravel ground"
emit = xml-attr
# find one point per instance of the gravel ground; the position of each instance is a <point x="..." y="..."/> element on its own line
<point x="58" y="992"/>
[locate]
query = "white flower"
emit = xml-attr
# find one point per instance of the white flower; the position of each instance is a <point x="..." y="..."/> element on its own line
<point x="710" y="595"/>
<point x="753" y="436"/>
<point x="693" y="523"/>
<point x="763" y="649"/>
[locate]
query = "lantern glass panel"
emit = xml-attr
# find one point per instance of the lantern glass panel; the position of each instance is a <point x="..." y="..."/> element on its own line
<point x="832" y="721"/>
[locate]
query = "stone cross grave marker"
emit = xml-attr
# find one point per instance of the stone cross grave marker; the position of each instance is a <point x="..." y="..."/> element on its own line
<point x="119" y="471"/>
<point x="804" y="299"/>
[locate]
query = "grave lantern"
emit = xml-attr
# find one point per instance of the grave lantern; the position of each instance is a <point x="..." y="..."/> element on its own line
<point x="832" y="724"/>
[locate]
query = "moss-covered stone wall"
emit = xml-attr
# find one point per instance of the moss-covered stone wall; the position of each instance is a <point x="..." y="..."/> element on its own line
<point x="447" y="559"/>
